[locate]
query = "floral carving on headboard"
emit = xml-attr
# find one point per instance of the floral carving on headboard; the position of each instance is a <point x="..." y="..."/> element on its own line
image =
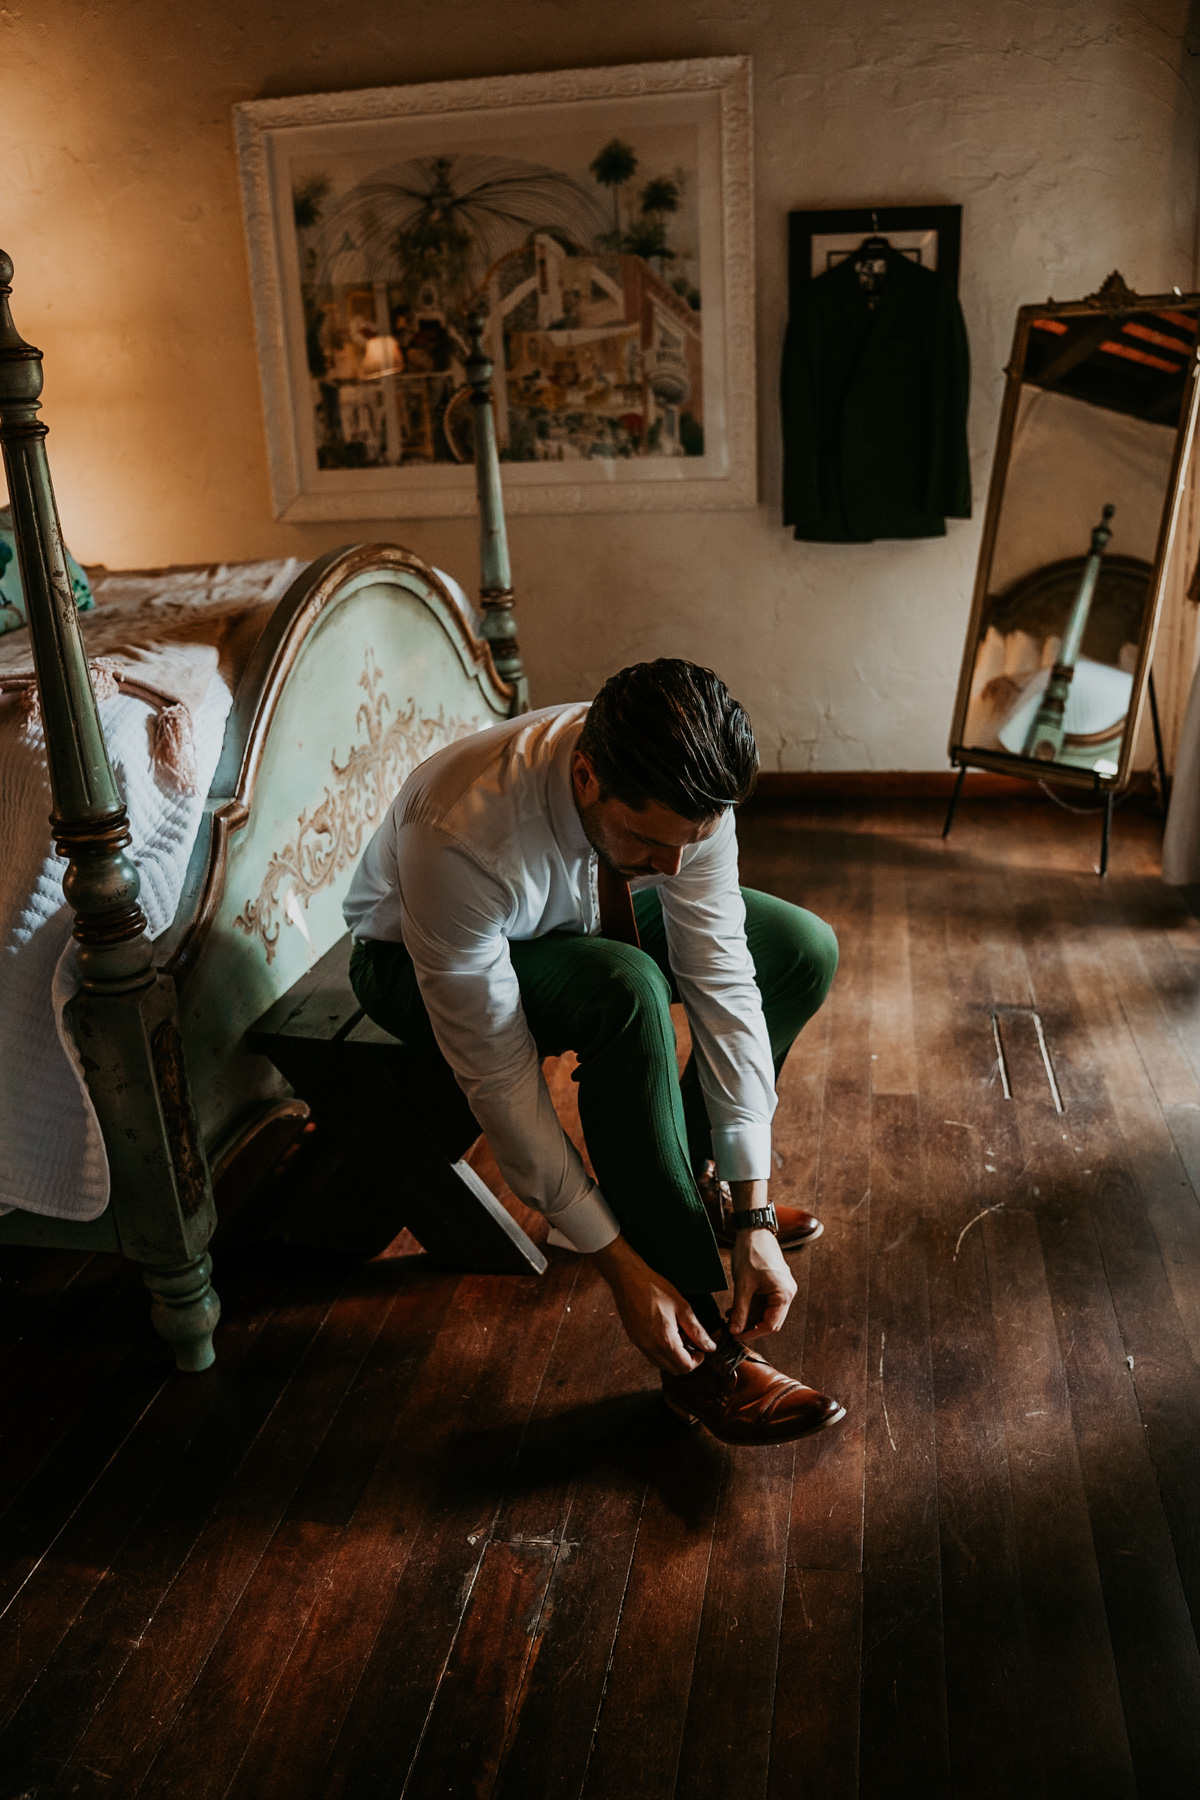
<point x="330" y="835"/>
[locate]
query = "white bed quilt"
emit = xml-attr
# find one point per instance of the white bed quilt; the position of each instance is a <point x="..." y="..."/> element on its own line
<point x="52" y="1156"/>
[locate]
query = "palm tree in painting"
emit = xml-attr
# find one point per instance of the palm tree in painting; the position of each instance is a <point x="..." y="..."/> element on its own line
<point x="307" y="199"/>
<point x="614" y="167"/>
<point x="448" y="219"/>
<point x="660" y="198"/>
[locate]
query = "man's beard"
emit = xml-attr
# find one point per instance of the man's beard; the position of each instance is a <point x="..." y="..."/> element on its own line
<point x="590" y="818"/>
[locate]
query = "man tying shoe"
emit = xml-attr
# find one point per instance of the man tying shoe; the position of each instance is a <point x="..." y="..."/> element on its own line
<point x="553" y="884"/>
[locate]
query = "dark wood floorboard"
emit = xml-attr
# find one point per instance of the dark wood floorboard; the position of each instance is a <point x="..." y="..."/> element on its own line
<point x="580" y="1484"/>
<point x="427" y="1534"/>
<point x="903" y="1656"/>
<point x="1081" y="1728"/>
<point x="639" y="1735"/>
<point x="827" y="1494"/>
<point x="1086" y="1195"/>
<point x="992" y="1720"/>
<point x="288" y="1748"/>
<point x="146" y="1705"/>
<point x="60" y="1435"/>
<point x="32" y="1287"/>
<point x="464" y="1450"/>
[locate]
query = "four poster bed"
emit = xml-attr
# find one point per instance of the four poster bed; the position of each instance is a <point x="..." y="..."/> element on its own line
<point x="300" y="713"/>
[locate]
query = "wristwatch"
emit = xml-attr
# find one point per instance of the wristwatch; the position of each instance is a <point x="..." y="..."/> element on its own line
<point x="755" y="1218"/>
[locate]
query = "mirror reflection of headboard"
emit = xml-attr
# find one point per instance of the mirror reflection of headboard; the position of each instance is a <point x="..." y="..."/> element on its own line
<point x="1099" y="412"/>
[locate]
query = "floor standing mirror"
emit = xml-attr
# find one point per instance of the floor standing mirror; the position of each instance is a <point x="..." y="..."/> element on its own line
<point x="1093" y="449"/>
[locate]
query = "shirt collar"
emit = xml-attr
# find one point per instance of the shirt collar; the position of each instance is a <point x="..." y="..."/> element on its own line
<point x="564" y="814"/>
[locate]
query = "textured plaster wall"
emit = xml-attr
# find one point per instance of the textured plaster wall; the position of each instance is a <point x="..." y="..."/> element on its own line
<point x="1066" y="128"/>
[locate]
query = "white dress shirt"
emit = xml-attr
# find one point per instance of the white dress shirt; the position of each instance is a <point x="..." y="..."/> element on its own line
<point x="484" y="846"/>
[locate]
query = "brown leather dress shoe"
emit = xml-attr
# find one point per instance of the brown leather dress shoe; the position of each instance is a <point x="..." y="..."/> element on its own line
<point x="742" y="1400"/>
<point x="796" y="1227"/>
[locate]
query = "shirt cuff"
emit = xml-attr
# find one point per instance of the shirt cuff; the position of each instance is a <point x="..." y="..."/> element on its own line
<point x="588" y="1222"/>
<point x="742" y="1152"/>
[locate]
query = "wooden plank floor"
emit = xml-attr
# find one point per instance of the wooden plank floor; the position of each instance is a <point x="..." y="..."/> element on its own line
<point x="427" y="1535"/>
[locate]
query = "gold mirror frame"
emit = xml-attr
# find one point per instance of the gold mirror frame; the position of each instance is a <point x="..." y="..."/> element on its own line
<point x="1115" y="301"/>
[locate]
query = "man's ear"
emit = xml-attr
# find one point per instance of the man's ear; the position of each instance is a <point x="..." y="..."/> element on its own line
<point x="584" y="777"/>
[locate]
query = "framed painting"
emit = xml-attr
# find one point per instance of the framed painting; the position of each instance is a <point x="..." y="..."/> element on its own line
<point x="600" y="220"/>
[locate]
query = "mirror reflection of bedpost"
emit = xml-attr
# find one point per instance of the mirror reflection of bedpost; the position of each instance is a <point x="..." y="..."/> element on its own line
<point x="1044" y="739"/>
<point x="125" y="1019"/>
<point x="495" y="591"/>
<point x="1099" y="412"/>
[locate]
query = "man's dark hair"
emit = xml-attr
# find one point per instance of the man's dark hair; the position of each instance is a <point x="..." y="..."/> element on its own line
<point x="670" y="731"/>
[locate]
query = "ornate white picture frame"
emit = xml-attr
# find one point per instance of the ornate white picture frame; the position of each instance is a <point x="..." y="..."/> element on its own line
<point x="600" y="220"/>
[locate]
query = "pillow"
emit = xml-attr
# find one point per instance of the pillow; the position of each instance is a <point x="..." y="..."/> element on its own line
<point x="12" y="600"/>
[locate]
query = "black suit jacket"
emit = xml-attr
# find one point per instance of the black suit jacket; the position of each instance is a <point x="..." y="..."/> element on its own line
<point x="875" y="407"/>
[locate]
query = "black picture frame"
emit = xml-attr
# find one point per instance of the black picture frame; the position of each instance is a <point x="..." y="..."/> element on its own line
<point x="867" y="221"/>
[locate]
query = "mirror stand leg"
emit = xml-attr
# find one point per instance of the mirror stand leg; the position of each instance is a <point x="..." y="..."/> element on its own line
<point x="962" y="776"/>
<point x="1106" y="838"/>
<point x="1159" y="758"/>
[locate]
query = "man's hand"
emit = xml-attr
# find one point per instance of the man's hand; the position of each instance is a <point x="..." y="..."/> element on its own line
<point x="656" y="1317"/>
<point x="763" y="1287"/>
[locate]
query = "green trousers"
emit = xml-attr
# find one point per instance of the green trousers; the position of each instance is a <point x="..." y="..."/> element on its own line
<point x="646" y="1128"/>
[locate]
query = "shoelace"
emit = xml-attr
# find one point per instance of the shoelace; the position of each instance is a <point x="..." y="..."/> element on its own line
<point x="729" y="1354"/>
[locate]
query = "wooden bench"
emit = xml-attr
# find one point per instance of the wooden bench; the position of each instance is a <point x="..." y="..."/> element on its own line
<point x="401" y="1144"/>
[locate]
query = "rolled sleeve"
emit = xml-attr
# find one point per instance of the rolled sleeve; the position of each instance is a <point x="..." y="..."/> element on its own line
<point x="742" y="1152"/>
<point x="705" y="920"/>
<point x="587" y="1223"/>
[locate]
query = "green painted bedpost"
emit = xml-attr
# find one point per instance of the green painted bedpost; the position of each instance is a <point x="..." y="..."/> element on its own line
<point x="125" y="1020"/>
<point x="495" y="588"/>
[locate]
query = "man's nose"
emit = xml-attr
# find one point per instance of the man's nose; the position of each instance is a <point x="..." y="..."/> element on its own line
<point x="668" y="862"/>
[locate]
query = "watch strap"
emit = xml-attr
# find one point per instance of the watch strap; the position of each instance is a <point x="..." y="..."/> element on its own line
<point x="754" y="1218"/>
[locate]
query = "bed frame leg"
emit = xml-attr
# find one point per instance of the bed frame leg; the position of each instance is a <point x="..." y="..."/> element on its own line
<point x="184" y="1310"/>
<point x="496" y="595"/>
<point x="125" y="1017"/>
